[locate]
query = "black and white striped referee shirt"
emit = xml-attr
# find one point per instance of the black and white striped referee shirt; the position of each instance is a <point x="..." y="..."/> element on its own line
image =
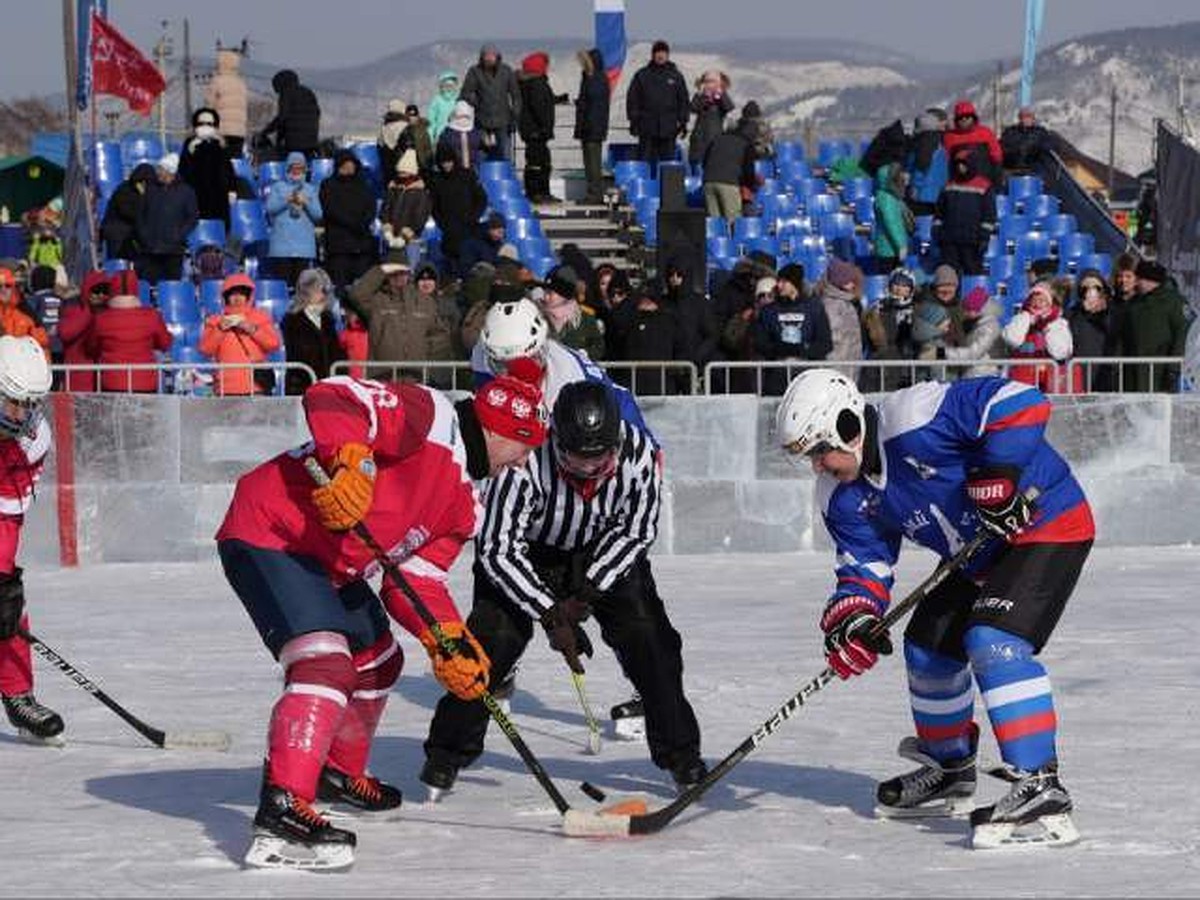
<point x="537" y="505"/>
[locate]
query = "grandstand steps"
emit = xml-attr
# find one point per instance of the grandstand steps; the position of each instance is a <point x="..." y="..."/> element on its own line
<point x="590" y="227"/>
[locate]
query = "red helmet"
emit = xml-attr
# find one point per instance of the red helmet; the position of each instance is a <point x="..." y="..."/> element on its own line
<point x="965" y="108"/>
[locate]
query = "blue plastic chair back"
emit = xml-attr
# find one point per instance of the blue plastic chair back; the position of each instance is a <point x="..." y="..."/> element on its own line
<point x="248" y="221"/>
<point x="1075" y="245"/>
<point x="875" y="288"/>
<point x="1033" y="245"/>
<point x="368" y="157"/>
<point x="534" y="247"/>
<point x="502" y="188"/>
<point x="141" y="147"/>
<point x="766" y="243"/>
<point x="177" y="301"/>
<point x="319" y="169"/>
<point x="243" y="169"/>
<point x="523" y="228"/>
<point x="715" y="226"/>
<point x="208" y="232"/>
<point x="496" y="170"/>
<point x="629" y="170"/>
<point x="747" y="228"/>
<point x="270" y="289"/>
<point x="1002" y="268"/>
<point x="823" y="204"/>
<point x="857" y="187"/>
<point x="541" y="267"/>
<point x="721" y="247"/>
<point x="209" y="296"/>
<point x="764" y="168"/>
<point x="1099" y="261"/>
<point x="117" y="265"/>
<point x="514" y="207"/>
<point x="1024" y="187"/>
<point x="1058" y="225"/>
<point x="270" y="172"/>
<point x="1041" y="207"/>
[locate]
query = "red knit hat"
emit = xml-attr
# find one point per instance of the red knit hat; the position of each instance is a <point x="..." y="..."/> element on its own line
<point x="513" y="409"/>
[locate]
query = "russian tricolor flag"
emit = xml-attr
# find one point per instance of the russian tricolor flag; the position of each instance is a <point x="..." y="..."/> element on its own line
<point x="610" y="37"/>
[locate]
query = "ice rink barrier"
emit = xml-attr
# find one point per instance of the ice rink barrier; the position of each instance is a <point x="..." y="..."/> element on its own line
<point x="149" y="477"/>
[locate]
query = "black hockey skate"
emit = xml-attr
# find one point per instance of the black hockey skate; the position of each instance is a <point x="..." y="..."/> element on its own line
<point x="942" y="788"/>
<point x="689" y="773"/>
<point x="1035" y="811"/>
<point x="439" y="777"/>
<point x="364" y="793"/>
<point x="34" y="722"/>
<point x="629" y="720"/>
<point x="290" y="834"/>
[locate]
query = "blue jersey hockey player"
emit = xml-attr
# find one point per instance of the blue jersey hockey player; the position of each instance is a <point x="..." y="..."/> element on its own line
<point x="934" y="463"/>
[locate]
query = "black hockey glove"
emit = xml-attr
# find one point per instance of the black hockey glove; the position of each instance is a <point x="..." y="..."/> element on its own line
<point x="1002" y="508"/>
<point x="12" y="603"/>
<point x="566" y="636"/>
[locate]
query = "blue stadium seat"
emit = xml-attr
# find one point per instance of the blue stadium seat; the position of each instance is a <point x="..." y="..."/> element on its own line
<point x="1024" y="187"/>
<point x="513" y="207"/>
<point x="788" y="151"/>
<point x="923" y="231"/>
<point x="177" y="301"/>
<point x="830" y="151"/>
<point x="1041" y="207"/>
<point x="1075" y="245"/>
<point x="534" y="248"/>
<point x="764" y="168"/>
<point x="184" y="334"/>
<point x="519" y="229"/>
<point x="1002" y="206"/>
<point x="836" y="225"/>
<point x="857" y="187"/>
<point x="496" y="170"/>
<point x="210" y="300"/>
<point x="715" y="226"/>
<point x="1011" y="228"/>
<point x="368" y="157"/>
<point x="777" y="206"/>
<point x="146" y="293"/>
<point x="1033" y="245"/>
<point x="693" y="189"/>
<point x="1058" y="225"/>
<point x="1099" y="261"/>
<point x="650" y="231"/>
<point x="629" y="170"/>
<point x="499" y="188"/>
<point x="1001" y="268"/>
<point x="765" y="243"/>
<point x="117" y="265"/>
<point x="721" y="246"/>
<point x="809" y="187"/>
<point x="639" y="188"/>
<point x="248" y="221"/>
<point x="141" y="147"/>
<point x="646" y="209"/>
<point x="187" y="354"/>
<point x="540" y="267"/>
<point x="243" y="169"/>
<point x="822" y="204"/>
<point x="747" y="228"/>
<point x="270" y="289"/>
<point x="270" y="171"/>
<point x="864" y="210"/>
<point x="874" y="288"/>
<point x="208" y="232"/>
<point x="792" y="170"/>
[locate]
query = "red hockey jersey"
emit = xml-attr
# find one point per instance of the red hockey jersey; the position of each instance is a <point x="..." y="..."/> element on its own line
<point x="21" y="462"/>
<point x="425" y="505"/>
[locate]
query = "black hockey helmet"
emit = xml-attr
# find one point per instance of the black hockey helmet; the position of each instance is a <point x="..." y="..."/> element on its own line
<point x="586" y="421"/>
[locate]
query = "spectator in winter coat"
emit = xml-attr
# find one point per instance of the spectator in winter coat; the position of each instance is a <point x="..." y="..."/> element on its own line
<point x="967" y="210"/>
<point x="118" y="229"/>
<point x="128" y="333"/>
<point x="570" y="324"/>
<point x="166" y="217"/>
<point x="888" y="328"/>
<point x="75" y="326"/>
<point x="348" y="209"/>
<point x="1095" y="330"/>
<point x="483" y="243"/>
<point x="1124" y="279"/>
<point x="442" y="104"/>
<point x="297" y="124"/>
<point x="894" y="221"/>
<point x="47" y="290"/>
<point x="226" y="93"/>
<point x="355" y="343"/>
<point x="1153" y="324"/>
<point x="416" y="137"/>
<point x="16" y="318"/>
<point x="426" y="280"/>
<point x="204" y="164"/>
<point x="458" y="202"/>
<point x="969" y="134"/>
<point x="491" y="89"/>
<point x="294" y="210"/>
<point x="1025" y="143"/>
<point x="1039" y="332"/>
<point x="309" y="331"/>
<point x="841" y="295"/>
<point x="656" y="105"/>
<point x="406" y="208"/>
<point x="981" y="339"/>
<point x="728" y="168"/>
<point x="243" y="333"/>
<point x="888" y="145"/>
<point x="927" y="166"/>
<point x="651" y="334"/>
<point x="937" y="317"/>
<point x="388" y="141"/>
<point x="462" y="138"/>
<point x="793" y="326"/>
<point x="710" y="105"/>
<point x="591" y="120"/>
<point x="757" y="130"/>
<point x="402" y="324"/>
<point x="536" y="125"/>
<point x="697" y="329"/>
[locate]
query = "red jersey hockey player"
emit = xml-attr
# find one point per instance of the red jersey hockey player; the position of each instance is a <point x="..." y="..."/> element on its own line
<point x="24" y="441"/>
<point x="401" y="458"/>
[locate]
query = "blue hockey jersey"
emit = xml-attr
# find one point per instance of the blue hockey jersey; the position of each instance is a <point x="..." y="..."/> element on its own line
<point x="928" y="436"/>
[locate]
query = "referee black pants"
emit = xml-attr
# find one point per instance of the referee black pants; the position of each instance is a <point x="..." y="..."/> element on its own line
<point x="632" y="622"/>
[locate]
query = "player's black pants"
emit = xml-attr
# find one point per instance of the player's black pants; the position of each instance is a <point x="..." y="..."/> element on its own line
<point x="632" y="621"/>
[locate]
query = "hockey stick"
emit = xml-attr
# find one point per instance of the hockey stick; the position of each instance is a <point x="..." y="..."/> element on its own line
<point x="578" y="823"/>
<point x="168" y="740"/>
<point x="446" y="645"/>
<point x="593" y="726"/>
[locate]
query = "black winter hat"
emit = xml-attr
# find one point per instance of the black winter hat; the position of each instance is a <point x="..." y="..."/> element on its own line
<point x="660" y="44"/>
<point x="563" y="281"/>
<point x="206" y="115"/>
<point x="793" y="273"/>
<point x="1150" y="270"/>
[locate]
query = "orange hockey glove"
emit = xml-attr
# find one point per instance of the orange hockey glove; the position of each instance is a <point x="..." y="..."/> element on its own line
<point x="464" y="673"/>
<point x="345" y="501"/>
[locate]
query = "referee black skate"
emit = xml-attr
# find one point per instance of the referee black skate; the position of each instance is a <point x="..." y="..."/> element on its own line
<point x="563" y="539"/>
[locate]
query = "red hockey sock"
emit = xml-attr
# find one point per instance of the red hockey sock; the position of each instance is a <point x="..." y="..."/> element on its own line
<point x="16" y="664"/>
<point x="377" y="667"/>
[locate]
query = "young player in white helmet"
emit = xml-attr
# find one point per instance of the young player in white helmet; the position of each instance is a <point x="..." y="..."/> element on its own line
<point x="24" y="441"/>
<point x="936" y="463"/>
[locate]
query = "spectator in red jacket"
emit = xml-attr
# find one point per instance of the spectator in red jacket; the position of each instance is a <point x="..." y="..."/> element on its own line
<point x="981" y="140"/>
<point x="128" y="333"/>
<point x="75" y="324"/>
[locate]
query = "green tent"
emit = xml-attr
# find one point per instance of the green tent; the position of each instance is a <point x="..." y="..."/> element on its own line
<point x="27" y="182"/>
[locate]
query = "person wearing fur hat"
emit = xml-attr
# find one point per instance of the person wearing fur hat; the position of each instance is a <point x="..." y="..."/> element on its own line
<point x="348" y="211"/>
<point x="407" y="207"/>
<point x="461" y="138"/>
<point x="205" y="165"/>
<point x="166" y="217"/>
<point x="536" y="124"/>
<point x="492" y="90"/>
<point x="710" y="105"/>
<point x="241" y="333"/>
<point x="309" y="331"/>
<point x="1153" y="324"/>
<point x="129" y="333"/>
<point x="841" y="295"/>
<point x="294" y="209"/>
<point x="226" y="94"/>
<point x="388" y="141"/>
<point x="1095" y="329"/>
<point x="592" y="108"/>
<point x="1038" y="331"/>
<point x="442" y="104"/>
<point x="656" y="106"/>
<point x="790" y="325"/>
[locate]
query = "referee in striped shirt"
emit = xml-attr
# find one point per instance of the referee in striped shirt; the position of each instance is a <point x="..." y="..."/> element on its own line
<point x="564" y="538"/>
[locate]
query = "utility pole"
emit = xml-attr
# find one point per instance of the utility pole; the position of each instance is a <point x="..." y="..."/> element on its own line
<point x="996" y="95"/>
<point x="162" y="50"/>
<point x="1112" y="140"/>
<point x="187" y="71"/>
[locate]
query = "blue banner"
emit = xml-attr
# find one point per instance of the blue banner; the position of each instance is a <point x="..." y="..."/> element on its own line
<point x="83" y="47"/>
<point x="610" y="37"/>
<point x="1034" y="11"/>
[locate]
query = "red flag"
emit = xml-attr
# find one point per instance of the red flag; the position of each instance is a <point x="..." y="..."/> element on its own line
<point x="119" y="68"/>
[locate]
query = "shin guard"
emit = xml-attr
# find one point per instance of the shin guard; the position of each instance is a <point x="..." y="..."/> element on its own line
<point x="16" y="664"/>
<point x="377" y="669"/>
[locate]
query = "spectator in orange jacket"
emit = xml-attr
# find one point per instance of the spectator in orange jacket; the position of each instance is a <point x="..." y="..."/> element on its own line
<point x="242" y="334"/>
<point x="15" y="317"/>
<point x="128" y="332"/>
<point x="75" y="323"/>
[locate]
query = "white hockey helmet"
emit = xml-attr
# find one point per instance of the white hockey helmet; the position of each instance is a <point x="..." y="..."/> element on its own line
<point x="514" y="329"/>
<point x="821" y="410"/>
<point x="24" y="383"/>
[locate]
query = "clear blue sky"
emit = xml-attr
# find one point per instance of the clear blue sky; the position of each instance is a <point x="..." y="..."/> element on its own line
<point x="332" y="33"/>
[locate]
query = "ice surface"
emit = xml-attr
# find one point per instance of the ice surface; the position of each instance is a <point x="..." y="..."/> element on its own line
<point x="110" y="815"/>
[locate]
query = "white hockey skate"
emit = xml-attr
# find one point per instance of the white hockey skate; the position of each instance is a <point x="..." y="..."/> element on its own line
<point x="629" y="720"/>
<point x="1036" y="811"/>
<point x="935" y="789"/>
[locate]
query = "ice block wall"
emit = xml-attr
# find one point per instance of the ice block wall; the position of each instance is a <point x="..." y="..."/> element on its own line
<point x="153" y="474"/>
